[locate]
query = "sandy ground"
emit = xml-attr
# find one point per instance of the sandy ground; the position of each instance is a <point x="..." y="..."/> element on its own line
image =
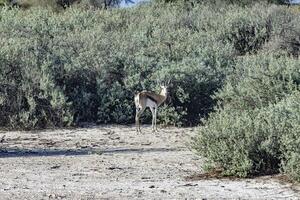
<point x="114" y="162"/>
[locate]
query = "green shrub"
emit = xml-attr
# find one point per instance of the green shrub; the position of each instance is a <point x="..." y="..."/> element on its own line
<point x="259" y="109"/>
<point x="248" y="29"/>
<point x="259" y="80"/>
<point x="3" y="2"/>
<point x="29" y="98"/>
<point x="217" y="2"/>
<point x="59" y="5"/>
<point x="261" y="141"/>
<point x="289" y="112"/>
<point x="284" y="38"/>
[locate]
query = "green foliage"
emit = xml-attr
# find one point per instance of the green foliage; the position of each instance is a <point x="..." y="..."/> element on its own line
<point x="260" y="80"/>
<point x="248" y="29"/>
<point x="253" y="130"/>
<point x="255" y="126"/>
<point x="3" y="2"/>
<point x="97" y="60"/>
<point x="29" y="96"/>
<point x="289" y="112"/>
<point x="63" y="4"/>
<point x="218" y="2"/>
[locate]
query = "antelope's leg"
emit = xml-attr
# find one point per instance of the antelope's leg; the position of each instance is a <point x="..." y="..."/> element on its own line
<point x="153" y="116"/>
<point x="137" y="120"/>
<point x="139" y="111"/>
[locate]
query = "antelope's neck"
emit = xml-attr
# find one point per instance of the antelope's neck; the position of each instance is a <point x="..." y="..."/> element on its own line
<point x="163" y="94"/>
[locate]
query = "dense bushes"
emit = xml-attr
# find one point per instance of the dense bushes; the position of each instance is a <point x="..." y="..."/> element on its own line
<point x="289" y="122"/>
<point x="254" y="129"/>
<point x="94" y="62"/>
<point x="239" y="2"/>
<point x="59" y="5"/>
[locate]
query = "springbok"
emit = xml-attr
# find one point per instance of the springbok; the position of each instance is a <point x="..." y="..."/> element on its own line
<point x="152" y="100"/>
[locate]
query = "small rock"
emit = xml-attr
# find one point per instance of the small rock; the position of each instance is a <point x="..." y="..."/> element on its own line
<point x="190" y="184"/>
<point x="2" y="138"/>
<point x="55" y="167"/>
<point x="113" y="168"/>
<point x="52" y="196"/>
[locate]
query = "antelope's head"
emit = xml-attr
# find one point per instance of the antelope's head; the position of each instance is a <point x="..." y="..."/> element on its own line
<point x="165" y="88"/>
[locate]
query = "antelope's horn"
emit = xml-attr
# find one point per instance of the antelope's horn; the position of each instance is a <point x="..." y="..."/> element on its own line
<point x="169" y="81"/>
<point x="158" y="81"/>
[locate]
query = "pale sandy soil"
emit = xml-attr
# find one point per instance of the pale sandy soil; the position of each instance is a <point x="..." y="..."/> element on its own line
<point x="114" y="162"/>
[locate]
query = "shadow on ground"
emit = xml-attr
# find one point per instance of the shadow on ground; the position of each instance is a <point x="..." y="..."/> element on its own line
<point x="17" y="152"/>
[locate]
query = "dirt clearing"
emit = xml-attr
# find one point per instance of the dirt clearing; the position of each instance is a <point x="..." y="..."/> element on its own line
<point x="114" y="162"/>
